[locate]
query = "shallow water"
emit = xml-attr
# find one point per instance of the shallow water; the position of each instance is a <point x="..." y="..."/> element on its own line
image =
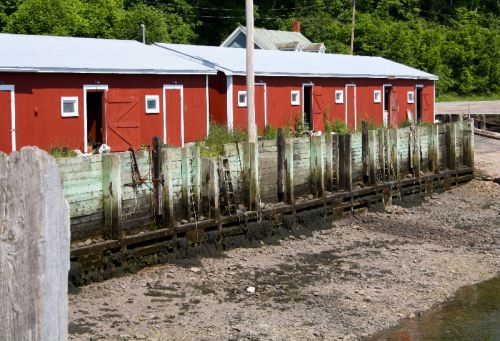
<point x="473" y="314"/>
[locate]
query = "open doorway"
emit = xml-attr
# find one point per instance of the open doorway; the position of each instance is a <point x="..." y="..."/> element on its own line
<point x="418" y="103"/>
<point x="307" y="105"/>
<point x="95" y="101"/>
<point x="387" y="104"/>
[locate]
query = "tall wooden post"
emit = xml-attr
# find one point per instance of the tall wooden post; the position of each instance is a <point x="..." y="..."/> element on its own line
<point x="316" y="166"/>
<point x="168" y="198"/>
<point x="290" y="186"/>
<point x="112" y="196"/>
<point x="451" y="145"/>
<point x="329" y="172"/>
<point x="34" y="248"/>
<point x="469" y="143"/>
<point x="251" y="165"/>
<point x="372" y="153"/>
<point x="434" y="148"/>
<point x="365" y="152"/>
<point x="186" y="181"/>
<point x="281" y="165"/>
<point x="345" y="167"/>
<point x="157" y="179"/>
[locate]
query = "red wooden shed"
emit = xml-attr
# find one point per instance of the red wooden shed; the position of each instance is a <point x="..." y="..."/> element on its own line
<point x="72" y="92"/>
<point x="316" y="86"/>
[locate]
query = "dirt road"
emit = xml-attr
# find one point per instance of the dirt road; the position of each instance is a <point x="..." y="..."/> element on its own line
<point x="472" y="107"/>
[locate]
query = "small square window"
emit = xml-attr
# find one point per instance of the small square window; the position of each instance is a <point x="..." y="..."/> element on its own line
<point x="339" y="96"/>
<point x="377" y="96"/>
<point x="295" y="97"/>
<point x="411" y="97"/>
<point x="69" y="106"/>
<point x="242" y="99"/>
<point x="152" y="104"/>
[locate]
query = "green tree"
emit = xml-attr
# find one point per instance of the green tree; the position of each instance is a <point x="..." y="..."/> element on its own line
<point x="160" y="27"/>
<point x="53" y="17"/>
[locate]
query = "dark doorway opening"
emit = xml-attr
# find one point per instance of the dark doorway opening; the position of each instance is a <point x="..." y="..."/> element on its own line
<point x="94" y="118"/>
<point x="307" y="106"/>
<point x="419" y="103"/>
<point x="387" y="98"/>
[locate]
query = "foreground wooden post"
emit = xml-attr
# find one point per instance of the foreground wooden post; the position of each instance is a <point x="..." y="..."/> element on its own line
<point x="381" y="153"/>
<point x="112" y="196"/>
<point x="316" y="166"/>
<point x="157" y="179"/>
<point x="395" y="159"/>
<point x="416" y="153"/>
<point x="197" y="177"/>
<point x="345" y="167"/>
<point x="281" y="165"/>
<point x="34" y="248"/>
<point x="168" y="198"/>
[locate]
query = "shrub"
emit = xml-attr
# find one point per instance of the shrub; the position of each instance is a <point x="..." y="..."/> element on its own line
<point x="217" y="137"/>
<point x="336" y="126"/>
<point x="61" y="151"/>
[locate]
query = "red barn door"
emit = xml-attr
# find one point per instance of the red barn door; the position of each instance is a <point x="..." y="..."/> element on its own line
<point x="260" y="107"/>
<point x="317" y="119"/>
<point x="122" y="123"/>
<point x="351" y="105"/>
<point x="5" y="122"/>
<point x="174" y="112"/>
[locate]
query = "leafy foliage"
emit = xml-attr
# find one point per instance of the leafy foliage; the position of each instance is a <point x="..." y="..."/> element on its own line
<point x="218" y="136"/>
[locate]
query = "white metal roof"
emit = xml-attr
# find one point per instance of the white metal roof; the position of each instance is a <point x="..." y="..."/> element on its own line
<point x="279" y="63"/>
<point x="30" y="53"/>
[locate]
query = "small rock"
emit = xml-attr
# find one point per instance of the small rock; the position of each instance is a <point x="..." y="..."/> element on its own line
<point x="310" y="197"/>
<point x="412" y="316"/>
<point x="88" y="242"/>
<point x="140" y="336"/>
<point x="303" y="237"/>
<point x="262" y="205"/>
<point x="251" y="289"/>
<point x="202" y="218"/>
<point x="192" y="220"/>
<point x="184" y="221"/>
<point x="194" y="269"/>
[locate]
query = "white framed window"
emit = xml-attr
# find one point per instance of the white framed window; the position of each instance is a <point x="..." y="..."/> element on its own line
<point x="411" y="97"/>
<point x="69" y="106"/>
<point x="152" y="104"/>
<point x="377" y="96"/>
<point x="339" y="96"/>
<point x="242" y="99"/>
<point x="295" y="97"/>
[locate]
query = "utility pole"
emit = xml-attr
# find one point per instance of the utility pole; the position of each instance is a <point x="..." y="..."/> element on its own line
<point x="353" y="24"/>
<point x="143" y="30"/>
<point x="252" y="133"/>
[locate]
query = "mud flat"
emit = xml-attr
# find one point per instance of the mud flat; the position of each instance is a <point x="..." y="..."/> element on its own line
<point x="344" y="280"/>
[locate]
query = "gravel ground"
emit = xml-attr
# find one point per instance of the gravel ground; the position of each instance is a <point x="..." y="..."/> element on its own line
<point x="344" y="280"/>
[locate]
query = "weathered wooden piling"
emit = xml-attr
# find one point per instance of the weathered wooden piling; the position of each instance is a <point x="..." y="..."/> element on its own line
<point x="251" y="168"/>
<point x="372" y="155"/>
<point x="365" y="152"/>
<point x="34" y="248"/>
<point x="168" y="197"/>
<point x="317" y="166"/>
<point x="157" y="180"/>
<point x="434" y="148"/>
<point x="290" y="185"/>
<point x="345" y="169"/>
<point x="451" y="145"/>
<point x="112" y="196"/>
<point x="281" y="178"/>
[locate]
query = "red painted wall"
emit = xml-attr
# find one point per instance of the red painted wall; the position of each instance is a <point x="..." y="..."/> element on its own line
<point x="280" y="111"/>
<point x="38" y="106"/>
<point x="5" y="122"/>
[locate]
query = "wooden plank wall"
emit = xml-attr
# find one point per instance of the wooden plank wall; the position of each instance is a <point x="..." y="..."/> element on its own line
<point x="316" y="167"/>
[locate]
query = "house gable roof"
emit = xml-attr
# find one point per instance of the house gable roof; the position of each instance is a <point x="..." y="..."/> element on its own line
<point x="269" y="39"/>
<point x="279" y="63"/>
<point x="31" y="53"/>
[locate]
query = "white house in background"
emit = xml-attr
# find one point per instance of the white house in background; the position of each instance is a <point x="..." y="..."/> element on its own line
<point x="274" y="40"/>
